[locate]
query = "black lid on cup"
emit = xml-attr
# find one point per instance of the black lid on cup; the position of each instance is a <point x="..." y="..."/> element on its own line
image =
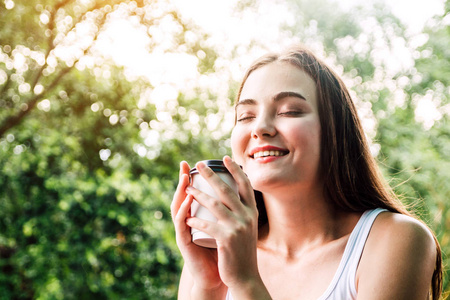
<point x="215" y="164"/>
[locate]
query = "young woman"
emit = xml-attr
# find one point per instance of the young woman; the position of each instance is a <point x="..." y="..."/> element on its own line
<point x="322" y="224"/>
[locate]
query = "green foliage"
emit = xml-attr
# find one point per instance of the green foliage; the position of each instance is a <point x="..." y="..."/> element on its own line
<point x="72" y="225"/>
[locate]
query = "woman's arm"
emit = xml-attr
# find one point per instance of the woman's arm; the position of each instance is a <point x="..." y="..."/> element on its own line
<point x="398" y="260"/>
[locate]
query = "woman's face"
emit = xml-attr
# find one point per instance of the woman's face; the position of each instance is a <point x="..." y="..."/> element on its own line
<point x="277" y="134"/>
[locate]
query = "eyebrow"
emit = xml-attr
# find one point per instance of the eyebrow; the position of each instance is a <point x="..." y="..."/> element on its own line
<point x="277" y="97"/>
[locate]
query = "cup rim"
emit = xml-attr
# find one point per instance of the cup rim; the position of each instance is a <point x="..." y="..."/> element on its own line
<point x="215" y="164"/>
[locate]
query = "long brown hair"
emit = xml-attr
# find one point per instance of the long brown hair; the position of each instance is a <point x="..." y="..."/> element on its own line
<point x="353" y="181"/>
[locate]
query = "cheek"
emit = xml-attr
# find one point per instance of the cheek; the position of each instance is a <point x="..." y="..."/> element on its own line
<point x="315" y="134"/>
<point x="308" y="136"/>
<point x="313" y="139"/>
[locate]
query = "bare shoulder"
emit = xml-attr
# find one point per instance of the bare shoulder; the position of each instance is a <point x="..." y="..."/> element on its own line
<point x="397" y="229"/>
<point x="398" y="259"/>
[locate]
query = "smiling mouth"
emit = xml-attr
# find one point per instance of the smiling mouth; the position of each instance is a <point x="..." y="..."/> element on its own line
<point x="269" y="153"/>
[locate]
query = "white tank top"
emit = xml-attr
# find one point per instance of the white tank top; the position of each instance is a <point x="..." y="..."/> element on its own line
<point x="342" y="287"/>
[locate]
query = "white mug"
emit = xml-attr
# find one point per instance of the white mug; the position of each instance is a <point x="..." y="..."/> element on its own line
<point x="199" y="237"/>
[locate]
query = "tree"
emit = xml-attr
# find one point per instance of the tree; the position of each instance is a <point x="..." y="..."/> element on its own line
<point x="88" y="163"/>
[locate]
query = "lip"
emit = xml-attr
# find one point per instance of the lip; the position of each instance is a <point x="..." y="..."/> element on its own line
<point x="267" y="148"/>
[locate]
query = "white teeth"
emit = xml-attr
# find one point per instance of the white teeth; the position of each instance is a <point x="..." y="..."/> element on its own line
<point x="268" y="153"/>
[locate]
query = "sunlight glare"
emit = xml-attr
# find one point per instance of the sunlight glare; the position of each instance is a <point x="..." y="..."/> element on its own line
<point x="128" y="46"/>
<point x="426" y="111"/>
<point x="9" y="4"/>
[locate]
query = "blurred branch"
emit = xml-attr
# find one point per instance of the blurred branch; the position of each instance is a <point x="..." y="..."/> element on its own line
<point x="51" y="38"/>
<point x="62" y="4"/>
<point x="17" y="118"/>
<point x="105" y="8"/>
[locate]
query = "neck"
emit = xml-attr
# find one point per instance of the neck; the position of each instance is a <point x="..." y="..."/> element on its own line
<point x="299" y="221"/>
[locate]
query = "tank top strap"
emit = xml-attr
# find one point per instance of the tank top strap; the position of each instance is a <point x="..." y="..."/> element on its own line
<point x="343" y="284"/>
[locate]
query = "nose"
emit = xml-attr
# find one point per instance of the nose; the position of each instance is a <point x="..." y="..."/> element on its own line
<point x="264" y="127"/>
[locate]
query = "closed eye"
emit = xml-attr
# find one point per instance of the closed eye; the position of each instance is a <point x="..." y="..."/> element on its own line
<point x="244" y="118"/>
<point x="292" y="113"/>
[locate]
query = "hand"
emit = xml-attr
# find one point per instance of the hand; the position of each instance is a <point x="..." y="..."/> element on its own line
<point x="236" y="230"/>
<point x="200" y="262"/>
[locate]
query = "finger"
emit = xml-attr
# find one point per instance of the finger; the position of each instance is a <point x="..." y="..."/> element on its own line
<point x="245" y="188"/>
<point x="183" y="212"/>
<point x="215" y="206"/>
<point x="208" y="227"/>
<point x="184" y="168"/>
<point x="224" y="192"/>
<point x="181" y="228"/>
<point x="180" y="193"/>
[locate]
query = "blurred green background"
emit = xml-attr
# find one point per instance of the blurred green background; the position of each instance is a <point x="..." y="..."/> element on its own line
<point x="101" y="100"/>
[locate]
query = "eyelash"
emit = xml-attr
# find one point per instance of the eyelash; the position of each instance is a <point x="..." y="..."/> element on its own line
<point x="244" y="119"/>
<point x="292" y="113"/>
